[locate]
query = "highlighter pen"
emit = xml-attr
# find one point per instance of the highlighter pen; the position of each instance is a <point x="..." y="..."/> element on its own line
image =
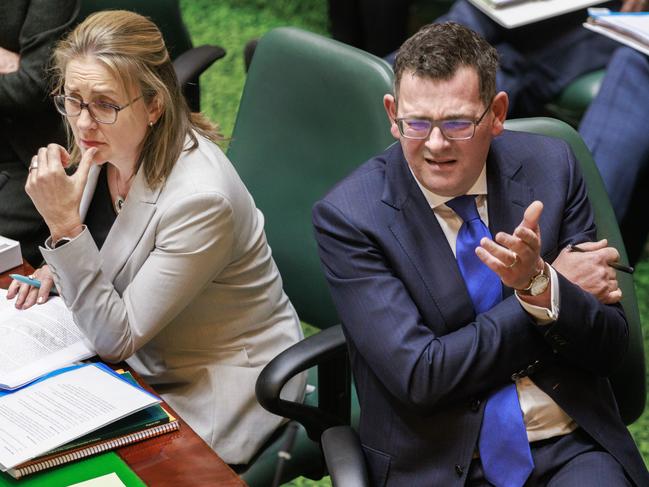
<point x="615" y="265"/>
<point x="31" y="282"/>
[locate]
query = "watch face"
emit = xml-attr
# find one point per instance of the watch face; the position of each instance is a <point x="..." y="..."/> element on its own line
<point x="539" y="285"/>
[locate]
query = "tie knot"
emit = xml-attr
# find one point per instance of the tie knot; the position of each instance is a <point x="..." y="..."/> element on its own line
<point x="465" y="206"/>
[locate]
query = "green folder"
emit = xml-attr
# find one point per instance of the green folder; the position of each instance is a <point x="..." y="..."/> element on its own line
<point x="74" y="472"/>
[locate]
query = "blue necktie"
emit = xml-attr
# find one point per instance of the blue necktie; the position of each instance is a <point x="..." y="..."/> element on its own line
<point x="504" y="449"/>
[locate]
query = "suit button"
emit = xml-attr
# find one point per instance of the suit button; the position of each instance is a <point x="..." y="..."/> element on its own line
<point x="475" y="405"/>
<point x="459" y="470"/>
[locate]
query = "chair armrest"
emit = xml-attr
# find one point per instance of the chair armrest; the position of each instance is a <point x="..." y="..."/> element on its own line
<point x="344" y="457"/>
<point x="190" y="64"/>
<point x="328" y="350"/>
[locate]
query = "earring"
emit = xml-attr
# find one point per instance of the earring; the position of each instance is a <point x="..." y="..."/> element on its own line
<point x="151" y="124"/>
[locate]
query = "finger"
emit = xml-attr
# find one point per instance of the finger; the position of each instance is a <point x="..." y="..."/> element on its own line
<point x="504" y="256"/>
<point x="527" y="236"/>
<point x="55" y="156"/>
<point x="610" y="254"/>
<point x="613" y="297"/>
<point x="81" y="175"/>
<point x="13" y="289"/>
<point x="489" y="260"/>
<point x="22" y="295"/>
<point x="532" y="215"/>
<point x="42" y="159"/>
<point x="44" y="291"/>
<point x="30" y="300"/>
<point x="592" y="246"/>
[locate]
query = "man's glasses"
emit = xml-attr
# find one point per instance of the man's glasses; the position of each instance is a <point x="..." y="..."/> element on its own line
<point x="101" y="112"/>
<point x="421" y="128"/>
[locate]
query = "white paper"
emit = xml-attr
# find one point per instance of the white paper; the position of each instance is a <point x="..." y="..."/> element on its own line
<point x="50" y="413"/>
<point x="631" y="29"/>
<point x="108" y="480"/>
<point x="36" y="341"/>
<point x="530" y="11"/>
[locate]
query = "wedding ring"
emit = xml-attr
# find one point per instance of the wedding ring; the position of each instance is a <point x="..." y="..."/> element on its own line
<point x="514" y="262"/>
<point x="32" y="276"/>
<point x="33" y="165"/>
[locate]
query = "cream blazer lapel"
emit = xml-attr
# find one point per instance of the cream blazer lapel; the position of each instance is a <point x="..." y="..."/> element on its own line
<point x="129" y="225"/>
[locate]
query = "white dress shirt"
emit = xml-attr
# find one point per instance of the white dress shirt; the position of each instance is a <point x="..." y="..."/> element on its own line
<point x="542" y="416"/>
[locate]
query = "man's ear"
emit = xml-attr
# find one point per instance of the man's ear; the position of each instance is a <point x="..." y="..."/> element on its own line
<point x="499" y="106"/>
<point x="390" y="105"/>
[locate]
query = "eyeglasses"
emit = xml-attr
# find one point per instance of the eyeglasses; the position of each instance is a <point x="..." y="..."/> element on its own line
<point x="421" y="128"/>
<point x="101" y="112"/>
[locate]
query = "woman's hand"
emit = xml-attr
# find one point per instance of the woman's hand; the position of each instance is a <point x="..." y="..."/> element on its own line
<point x="28" y="295"/>
<point x="56" y="195"/>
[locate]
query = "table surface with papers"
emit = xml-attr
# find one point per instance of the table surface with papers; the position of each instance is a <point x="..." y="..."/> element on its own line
<point x="173" y="459"/>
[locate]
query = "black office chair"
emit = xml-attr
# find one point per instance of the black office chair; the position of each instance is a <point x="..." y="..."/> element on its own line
<point x="189" y="62"/>
<point x="340" y="444"/>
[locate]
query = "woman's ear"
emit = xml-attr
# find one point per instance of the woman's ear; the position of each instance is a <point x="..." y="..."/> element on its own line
<point x="155" y="109"/>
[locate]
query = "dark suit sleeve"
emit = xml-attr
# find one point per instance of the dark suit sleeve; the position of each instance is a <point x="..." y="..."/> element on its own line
<point x="24" y="90"/>
<point x="419" y="367"/>
<point x="588" y="334"/>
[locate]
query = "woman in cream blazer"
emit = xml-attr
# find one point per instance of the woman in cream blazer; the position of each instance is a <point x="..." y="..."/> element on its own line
<point x="184" y="287"/>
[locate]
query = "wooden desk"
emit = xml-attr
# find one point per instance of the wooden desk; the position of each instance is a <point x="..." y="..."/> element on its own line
<point x="174" y="459"/>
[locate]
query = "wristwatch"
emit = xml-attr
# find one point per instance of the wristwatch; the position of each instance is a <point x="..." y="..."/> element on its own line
<point x="538" y="284"/>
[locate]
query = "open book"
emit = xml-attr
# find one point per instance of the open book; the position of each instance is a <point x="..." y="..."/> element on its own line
<point x="36" y="341"/>
<point x="515" y="13"/>
<point x="631" y="29"/>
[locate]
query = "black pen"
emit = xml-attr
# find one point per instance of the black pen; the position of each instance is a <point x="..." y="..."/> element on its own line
<point x="615" y="265"/>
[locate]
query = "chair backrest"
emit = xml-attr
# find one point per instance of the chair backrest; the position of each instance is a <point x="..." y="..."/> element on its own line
<point x="164" y="13"/>
<point x="629" y="380"/>
<point x="311" y="112"/>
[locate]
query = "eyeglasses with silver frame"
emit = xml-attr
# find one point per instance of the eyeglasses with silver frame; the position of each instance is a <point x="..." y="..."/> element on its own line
<point x="456" y="129"/>
<point x="101" y="112"/>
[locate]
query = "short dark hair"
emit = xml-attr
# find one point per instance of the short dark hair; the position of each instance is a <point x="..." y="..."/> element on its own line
<point x="436" y="51"/>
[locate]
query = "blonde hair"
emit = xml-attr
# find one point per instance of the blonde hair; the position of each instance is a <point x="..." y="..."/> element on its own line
<point x="133" y="50"/>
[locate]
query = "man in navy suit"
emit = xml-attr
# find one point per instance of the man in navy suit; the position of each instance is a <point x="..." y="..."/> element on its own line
<point x="426" y="364"/>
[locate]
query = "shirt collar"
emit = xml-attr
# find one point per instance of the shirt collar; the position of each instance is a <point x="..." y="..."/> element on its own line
<point x="434" y="200"/>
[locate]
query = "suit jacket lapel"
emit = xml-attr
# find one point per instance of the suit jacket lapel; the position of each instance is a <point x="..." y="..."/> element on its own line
<point x="129" y="226"/>
<point x="423" y="241"/>
<point x="508" y="193"/>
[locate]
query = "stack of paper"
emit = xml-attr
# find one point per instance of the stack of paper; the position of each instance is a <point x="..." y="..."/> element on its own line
<point x="41" y="417"/>
<point x="511" y="14"/>
<point x="631" y="29"/>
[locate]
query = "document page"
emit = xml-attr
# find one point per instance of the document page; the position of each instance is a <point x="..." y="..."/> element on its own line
<point x="631" y="29"/>
<point x="528" y="12"/>
<point x="55" y="411"/>
<point x="36" y="341"/>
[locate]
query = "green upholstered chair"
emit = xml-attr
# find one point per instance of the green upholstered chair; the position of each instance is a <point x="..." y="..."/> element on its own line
<point x="311" y="111"/>
<point x="629" y="380"/>
<point x="572" y="102"/>
<point x="189" y="61"/>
